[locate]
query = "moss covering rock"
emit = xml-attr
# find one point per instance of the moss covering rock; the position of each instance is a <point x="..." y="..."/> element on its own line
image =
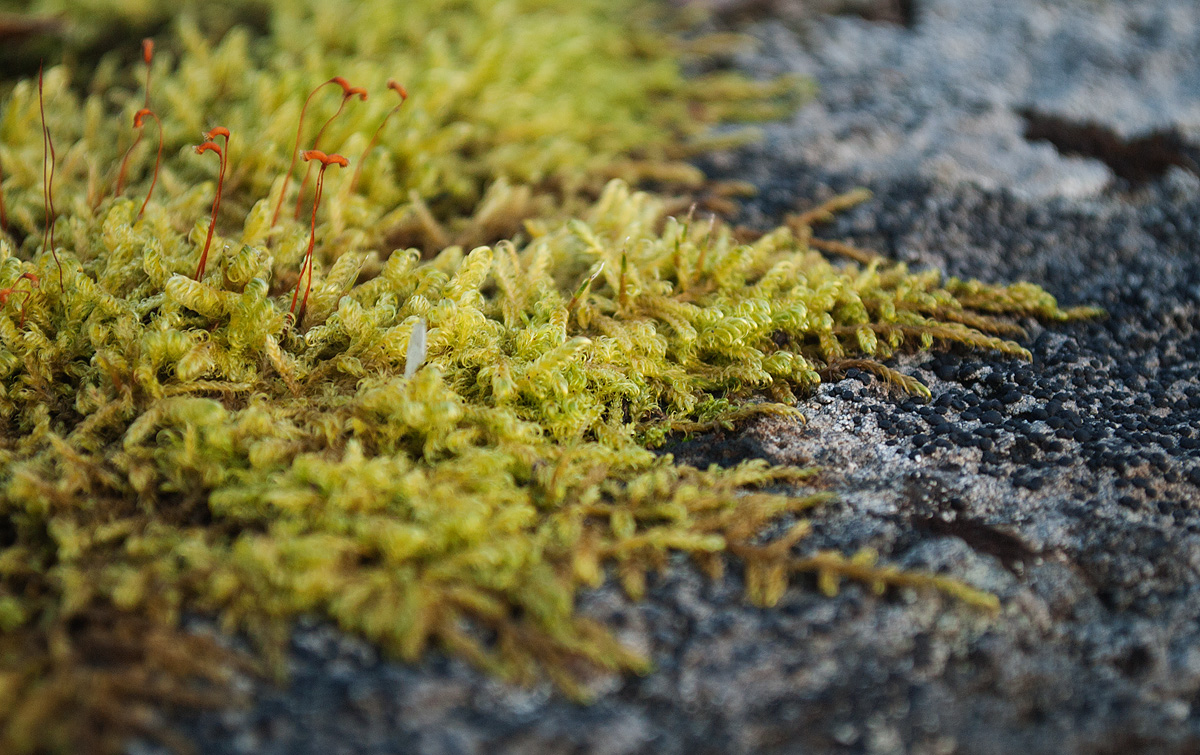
<point x="435" y="450"/>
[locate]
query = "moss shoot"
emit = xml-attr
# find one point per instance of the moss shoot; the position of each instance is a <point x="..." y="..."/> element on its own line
<point x="453" y="433"/>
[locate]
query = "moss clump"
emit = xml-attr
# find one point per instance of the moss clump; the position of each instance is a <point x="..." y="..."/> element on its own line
<point x="439" y="453"/>
<point x="524" y="108"/>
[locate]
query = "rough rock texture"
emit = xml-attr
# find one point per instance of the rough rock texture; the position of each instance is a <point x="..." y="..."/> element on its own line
<point x="1069" y="486"/>
<point x="952" y="95"/>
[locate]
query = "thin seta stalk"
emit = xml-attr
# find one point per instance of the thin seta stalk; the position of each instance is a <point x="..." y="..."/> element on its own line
<point x="138" y="122"/>
<point x="48" y="183"/>
<point x="148" y="57"/>
<point x="347" y="95"/>
<point x="287" y="177"/>
<point x="326" y="161"/>
<point x="211" y="146"/>
<point x="398" y="89"/>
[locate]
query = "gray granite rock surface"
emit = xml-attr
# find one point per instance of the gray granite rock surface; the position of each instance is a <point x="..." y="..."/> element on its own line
<point x="1069" y="486"/>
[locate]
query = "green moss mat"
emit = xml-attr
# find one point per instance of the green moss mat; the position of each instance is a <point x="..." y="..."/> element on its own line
<point x="435" y="453"/>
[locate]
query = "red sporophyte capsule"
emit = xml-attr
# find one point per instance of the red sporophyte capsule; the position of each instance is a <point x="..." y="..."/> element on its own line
<point x="324" y="159"/>
<point x="211" y="146"/>
<point x="403" y="93"/>
<point x="348" y="91"/>
<point x="307" y="264"/>
<point x="148" y="58"/>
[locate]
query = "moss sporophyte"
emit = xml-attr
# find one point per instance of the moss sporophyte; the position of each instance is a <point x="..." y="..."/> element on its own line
<point x="223" y="410"/>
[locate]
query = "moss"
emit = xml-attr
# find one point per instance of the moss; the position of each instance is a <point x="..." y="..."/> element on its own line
<point x="437" y="453"/>
<point x="523" y="108"/>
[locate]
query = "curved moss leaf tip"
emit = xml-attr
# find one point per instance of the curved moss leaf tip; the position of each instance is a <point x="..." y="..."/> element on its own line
<point x="431" y="451"/>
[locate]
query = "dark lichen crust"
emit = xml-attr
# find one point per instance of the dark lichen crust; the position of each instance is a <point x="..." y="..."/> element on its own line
<point x="431" y="450"/>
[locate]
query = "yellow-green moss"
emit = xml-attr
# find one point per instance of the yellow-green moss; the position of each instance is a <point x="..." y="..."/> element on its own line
<point x="520" y="107"/>
<point x="176" y="445"/>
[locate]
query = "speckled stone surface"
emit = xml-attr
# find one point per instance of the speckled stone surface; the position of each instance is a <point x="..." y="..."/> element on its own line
<point x="950" y="96"/>
<point x="1069" y="486"/>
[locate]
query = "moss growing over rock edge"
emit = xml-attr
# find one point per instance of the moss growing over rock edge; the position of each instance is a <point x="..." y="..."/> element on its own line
<point x="175" y="444"/>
